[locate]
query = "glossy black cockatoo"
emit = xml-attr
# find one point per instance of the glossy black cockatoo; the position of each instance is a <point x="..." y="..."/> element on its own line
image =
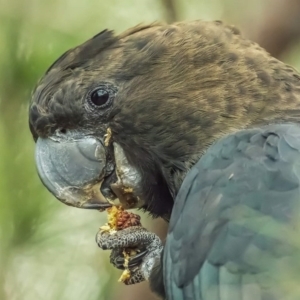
<point x="192" y="123"/>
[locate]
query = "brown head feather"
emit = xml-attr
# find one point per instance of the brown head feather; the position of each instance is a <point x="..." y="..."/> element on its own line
<point x="179" y="88"/>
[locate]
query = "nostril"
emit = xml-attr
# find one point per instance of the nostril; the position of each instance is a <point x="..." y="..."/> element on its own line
<point x="62" y="131"/>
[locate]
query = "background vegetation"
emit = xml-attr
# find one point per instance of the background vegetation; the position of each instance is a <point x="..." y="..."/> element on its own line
<point x="47" y="250"/>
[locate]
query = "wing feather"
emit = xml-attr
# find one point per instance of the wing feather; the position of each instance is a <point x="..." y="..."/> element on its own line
<point x="228" y="231"/>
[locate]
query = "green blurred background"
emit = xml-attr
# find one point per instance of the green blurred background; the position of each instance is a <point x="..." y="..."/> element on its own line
<point x="47" y="250"/>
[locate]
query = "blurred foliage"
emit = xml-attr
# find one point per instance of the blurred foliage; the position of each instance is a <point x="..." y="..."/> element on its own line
<point x="47" y="250"/>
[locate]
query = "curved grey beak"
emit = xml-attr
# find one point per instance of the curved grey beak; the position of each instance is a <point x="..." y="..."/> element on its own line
<point x="72" y="169"/>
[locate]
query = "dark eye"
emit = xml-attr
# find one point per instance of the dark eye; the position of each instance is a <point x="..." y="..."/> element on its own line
<point x="101" y="97"/>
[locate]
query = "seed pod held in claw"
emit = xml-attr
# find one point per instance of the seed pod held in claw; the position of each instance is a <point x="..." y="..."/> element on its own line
<point x="119" y="219"/>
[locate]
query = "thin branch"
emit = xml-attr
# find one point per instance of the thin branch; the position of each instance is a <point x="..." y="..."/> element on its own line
<point x="171" y="13"/>
<point x="280" y="27"/>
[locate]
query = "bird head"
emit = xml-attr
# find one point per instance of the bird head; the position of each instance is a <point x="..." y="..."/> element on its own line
<point x="124" y="117"/>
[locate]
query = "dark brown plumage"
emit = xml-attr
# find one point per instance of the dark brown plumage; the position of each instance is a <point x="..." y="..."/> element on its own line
<point x="203" y="79"/>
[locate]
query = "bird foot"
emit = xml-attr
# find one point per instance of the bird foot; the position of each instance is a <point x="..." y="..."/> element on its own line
<point x="134" y="250"/>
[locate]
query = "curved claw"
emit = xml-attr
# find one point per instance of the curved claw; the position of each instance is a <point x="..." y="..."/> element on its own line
<point x="137" y="259"/>
<point x="136" y="238"/>
<point x="117" y="259"/>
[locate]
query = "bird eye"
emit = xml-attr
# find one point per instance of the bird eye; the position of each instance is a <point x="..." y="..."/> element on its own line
<point x="101" y="97"/>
